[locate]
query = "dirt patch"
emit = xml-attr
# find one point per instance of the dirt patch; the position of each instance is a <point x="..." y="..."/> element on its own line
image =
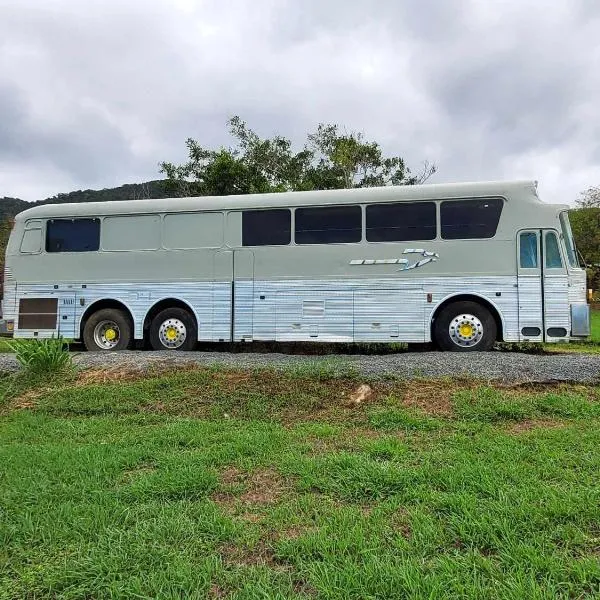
<point x="532" y="424"/>
<point x="260" y="554"/>
<point x="27" y="400"/>
<point x="259" y="488"/>
<point x="109" y="375"/>
<point x="434" y="396"/>
<point x="216" y="591"/>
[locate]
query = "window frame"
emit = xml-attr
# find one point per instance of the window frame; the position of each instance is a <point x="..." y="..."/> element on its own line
<point x="441" y="201"/>
<point x="46" y="237"/>
<point x="361" y="208"/>
<point x="436" y="220"/>
<point x="244" y="211"/>
<point x="33" y="225"/>
<point x="536" y="235"/>
<point x="132" y="215"/>
<point x="558" y="247"/>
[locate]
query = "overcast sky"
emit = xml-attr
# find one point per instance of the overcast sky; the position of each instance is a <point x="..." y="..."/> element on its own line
<point x="94" y="94"/>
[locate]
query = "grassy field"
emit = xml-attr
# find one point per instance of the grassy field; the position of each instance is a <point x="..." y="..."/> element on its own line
<point x="591" y="345"/>
<point x="214" y="483"/>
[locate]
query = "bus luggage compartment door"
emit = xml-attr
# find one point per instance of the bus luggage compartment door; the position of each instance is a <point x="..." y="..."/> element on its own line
<point x="315" y="315"/>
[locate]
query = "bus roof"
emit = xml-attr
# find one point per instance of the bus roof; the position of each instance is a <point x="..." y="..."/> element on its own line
<point x="524" y="190"/>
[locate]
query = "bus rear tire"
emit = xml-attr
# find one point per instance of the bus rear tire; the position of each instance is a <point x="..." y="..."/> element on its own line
<point x="465" y="327"/>
<point x="173" y="329"/>
<point x="108" y="329"/>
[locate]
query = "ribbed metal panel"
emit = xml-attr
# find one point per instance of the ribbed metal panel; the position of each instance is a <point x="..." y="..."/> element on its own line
<point x="577" y="287"/>
<point x="557" y="313"/>
<point x="378" y="309"/>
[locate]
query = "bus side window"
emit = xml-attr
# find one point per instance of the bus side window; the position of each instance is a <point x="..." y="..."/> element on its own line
<point x="528" y="250"/>
<point x="328" y="225"/>
<point x="401" y="221"/>
<point x="73" y="235"/>
<point x="553" y="259"/>
<point x="470" y="219"/>
<point x="272" y="227"/>
<point x="32" y="241"/>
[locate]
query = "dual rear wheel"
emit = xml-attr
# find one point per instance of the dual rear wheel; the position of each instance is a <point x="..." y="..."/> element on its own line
<point x="112" y="329"/>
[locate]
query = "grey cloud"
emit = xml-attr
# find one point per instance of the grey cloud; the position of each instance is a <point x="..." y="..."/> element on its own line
<point x="100" y="92"/>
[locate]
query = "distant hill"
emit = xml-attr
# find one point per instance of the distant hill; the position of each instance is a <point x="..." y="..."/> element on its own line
<point x="9" y="207"/>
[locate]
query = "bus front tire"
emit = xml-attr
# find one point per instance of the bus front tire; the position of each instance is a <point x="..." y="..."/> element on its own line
<point x="108" y="329"/>
<point x="173" y="329"/>
<point x="465" y="327"/>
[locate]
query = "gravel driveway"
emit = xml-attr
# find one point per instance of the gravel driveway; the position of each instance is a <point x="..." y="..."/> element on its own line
<point x="504" y="366"/>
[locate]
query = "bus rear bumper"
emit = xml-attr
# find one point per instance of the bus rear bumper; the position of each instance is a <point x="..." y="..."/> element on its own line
<point x="7" y="327"/>
<point x="580" y="320"/>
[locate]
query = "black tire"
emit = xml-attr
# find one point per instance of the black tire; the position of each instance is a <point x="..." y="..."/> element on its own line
<point x="485" y="331"/>
<point x="124" y="330"/>
<point x="176" y="315"/>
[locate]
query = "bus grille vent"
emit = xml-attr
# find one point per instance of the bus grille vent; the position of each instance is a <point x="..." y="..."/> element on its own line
<point x="313" y="308"/>
<point x="7" y="274"/>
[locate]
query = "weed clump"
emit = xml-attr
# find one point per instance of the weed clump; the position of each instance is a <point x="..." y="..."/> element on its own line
<point x="43" y="357"/>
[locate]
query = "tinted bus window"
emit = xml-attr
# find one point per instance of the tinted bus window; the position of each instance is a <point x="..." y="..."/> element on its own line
<point x="401" y="221"/>
<point x="470" y="219"/>
<point x="73" y="235"/>
<point x="528" y="250"/>
<point x="328" y="225"/>
<point x="266" y="227"/>
<point x="553" y="258"/>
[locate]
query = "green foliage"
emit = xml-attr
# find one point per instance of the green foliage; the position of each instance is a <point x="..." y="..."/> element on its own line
<point x="9" y="207"/>
<point x="42" y="357"/>
<point x="329" y="159"/>
<point x="585" y="223"/>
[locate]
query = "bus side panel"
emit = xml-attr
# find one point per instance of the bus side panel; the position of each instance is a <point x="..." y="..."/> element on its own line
<point x="138" y="298"/>
<point x="380" y="309"/>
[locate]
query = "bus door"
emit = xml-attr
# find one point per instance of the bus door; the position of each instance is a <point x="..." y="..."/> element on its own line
<point x="234" y="295"/>
<point x="542" y="286"/>
<point x="555" y="286"/>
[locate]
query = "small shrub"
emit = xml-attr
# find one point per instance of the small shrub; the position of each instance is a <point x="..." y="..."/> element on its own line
<point x="43" y="356"/>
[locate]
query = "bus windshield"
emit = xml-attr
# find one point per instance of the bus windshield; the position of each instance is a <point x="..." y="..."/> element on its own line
<point x="568" y="238"/>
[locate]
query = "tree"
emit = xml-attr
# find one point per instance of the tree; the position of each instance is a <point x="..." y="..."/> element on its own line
<point x="329" y="160"/>
<point x="589" y="198"/>
<point x="585" y="222"/>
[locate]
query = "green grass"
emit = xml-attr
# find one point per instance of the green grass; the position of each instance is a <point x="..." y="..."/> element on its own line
<point x="591" y="345"/>
<point x="4" y="345"/>
<point x="211" y="483"/>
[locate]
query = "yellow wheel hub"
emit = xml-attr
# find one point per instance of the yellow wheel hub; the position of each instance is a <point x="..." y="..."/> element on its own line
<point x="171" y="333"/>
<point x="466" y="330"/>
<point x="110" y="334"/>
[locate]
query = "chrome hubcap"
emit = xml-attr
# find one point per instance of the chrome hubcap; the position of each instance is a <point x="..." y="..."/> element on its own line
<point x="107" y="335"/>
<point x="466" y="330"/>
<point x="172" y="333"/>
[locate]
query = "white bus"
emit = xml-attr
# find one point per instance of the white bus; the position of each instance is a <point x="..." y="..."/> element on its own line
<point x="462" y="265"/>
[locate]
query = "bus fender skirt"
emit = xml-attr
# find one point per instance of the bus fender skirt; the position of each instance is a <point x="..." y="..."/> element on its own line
<point x="462" y="295"/>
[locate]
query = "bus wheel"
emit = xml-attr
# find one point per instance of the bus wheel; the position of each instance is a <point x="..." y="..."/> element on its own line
<point x="107" y="329"/>
<point x="465" y="327"/>
<point x="173" y="329"/>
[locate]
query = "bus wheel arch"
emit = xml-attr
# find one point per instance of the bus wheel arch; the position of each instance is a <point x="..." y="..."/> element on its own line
<point x="463" y="302"/>
<point x="107" y="325"/>
<point x="171" y="324"/>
